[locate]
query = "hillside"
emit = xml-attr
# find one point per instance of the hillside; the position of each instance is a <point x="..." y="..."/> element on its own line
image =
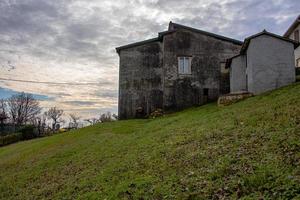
<point x="248" y="150"/>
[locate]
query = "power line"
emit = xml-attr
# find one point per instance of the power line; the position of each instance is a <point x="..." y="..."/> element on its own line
<point x="48" y="82"/>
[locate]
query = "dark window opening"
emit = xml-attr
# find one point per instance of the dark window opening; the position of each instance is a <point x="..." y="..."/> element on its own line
<point x="205" y="91"/>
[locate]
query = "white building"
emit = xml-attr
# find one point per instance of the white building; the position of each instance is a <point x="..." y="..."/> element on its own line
<point x="265" y="62"/>
<point x="293" y="33"/>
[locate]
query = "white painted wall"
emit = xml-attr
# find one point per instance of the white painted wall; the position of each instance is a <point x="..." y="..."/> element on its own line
<point x="297" y="55"/>
<point x="270" y="64"/>
<point x="238" y="74"/>
<point x="297" y="51"/>
<point x="291" y="36"/>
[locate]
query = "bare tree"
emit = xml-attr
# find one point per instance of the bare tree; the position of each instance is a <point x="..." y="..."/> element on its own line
<point x="106" y="117"/>
<point x="23" y="108"/>
<point x="74" y="120"/>
<point x="92" y="121"/>
<point x="54" y="114"/>
<point x="115" y="116"/>
<point x="3" y="115"/>
<point x="40" y="123"/>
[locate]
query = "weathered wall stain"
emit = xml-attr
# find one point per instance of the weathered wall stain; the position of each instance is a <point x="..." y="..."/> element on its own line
<point x="181" y="91"/>
<point x="149" y="78"/>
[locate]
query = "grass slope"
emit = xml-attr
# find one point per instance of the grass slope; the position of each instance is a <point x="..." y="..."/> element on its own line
<point x="248" y="150"/>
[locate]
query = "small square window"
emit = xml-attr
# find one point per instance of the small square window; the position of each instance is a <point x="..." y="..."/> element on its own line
<point x="184" y="65"/>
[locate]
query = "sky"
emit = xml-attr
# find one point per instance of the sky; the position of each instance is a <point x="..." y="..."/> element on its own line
<point x="63" y="51"/>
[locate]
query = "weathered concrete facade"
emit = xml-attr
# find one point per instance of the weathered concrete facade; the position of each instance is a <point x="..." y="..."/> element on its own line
<point x="207" y="53"/>
<point x="266" y="62"/>
<point x="140" y="80"/>
<point x="149" y="77"/>
<point x="238" y="80"/>
<point x="270" y="64"/>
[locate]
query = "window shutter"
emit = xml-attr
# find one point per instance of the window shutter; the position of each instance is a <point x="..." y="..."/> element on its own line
<point x="181" y="65"/>
<point x="185" y="65"/>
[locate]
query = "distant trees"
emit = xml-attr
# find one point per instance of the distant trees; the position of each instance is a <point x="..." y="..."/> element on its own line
<point x="92" y="121"/>
<point x="3" y="114"/>
<point x="74" y="120"/>
<point x="115" y="116"/>
<point x="105" y="117"/>
<point x="40" y="122"/>
<point x="54" y="114"/>
<point x="22" y="108"/>
<point x="17" y="116"/>
<point x="22" y="113"/>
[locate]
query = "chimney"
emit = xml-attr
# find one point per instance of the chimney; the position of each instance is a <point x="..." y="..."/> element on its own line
<point x="171" y="26"/>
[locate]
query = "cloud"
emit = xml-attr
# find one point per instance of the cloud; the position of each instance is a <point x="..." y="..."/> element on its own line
<point x="81" y="103"/>
<point x="74" y="41"/>
<point x="7" y="93"/>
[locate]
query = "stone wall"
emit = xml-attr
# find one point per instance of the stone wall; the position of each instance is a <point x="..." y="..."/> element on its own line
<point x="229" y="99"/>
<point x="140" y="80"/>
<point x="149" y="78"/>
<point x="181" y="91"/>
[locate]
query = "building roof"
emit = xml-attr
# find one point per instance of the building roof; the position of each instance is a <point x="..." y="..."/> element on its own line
<point x="172" y="28"/>
<point x="137" y="44"/>
<point x="248" y="39"/>
<point x="264" y="32"/>
<point x="229" y="61"/>
<point x="292" y="27"/>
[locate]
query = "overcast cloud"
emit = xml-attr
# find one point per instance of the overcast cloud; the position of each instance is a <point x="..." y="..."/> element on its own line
<point x="74" y="41"/>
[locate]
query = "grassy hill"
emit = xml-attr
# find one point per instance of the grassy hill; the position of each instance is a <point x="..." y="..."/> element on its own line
<point x="248" y="150"/>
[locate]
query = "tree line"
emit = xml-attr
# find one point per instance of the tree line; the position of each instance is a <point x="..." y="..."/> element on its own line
<point x="21" y="110"/>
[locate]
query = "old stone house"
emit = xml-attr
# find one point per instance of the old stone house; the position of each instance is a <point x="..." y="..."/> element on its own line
<point x="293" y="33"/>
<point x="265" y="62"/>
<point x="182" y="67"/>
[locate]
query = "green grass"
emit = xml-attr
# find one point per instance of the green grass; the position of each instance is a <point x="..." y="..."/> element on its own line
<point x="248" y="150"/>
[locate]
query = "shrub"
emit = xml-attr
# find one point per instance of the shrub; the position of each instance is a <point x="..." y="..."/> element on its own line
<point x="28" y="132"/>
<point x="157" y="113"/>
<point x="297" y="71"/>
<point x="9" y="139"/>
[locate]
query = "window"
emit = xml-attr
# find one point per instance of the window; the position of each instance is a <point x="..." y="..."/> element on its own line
<point x="296" y="35"/>
<point x="298" y="62"/>
<point x="184" y="65"/>
<point x="205" y="91"/>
